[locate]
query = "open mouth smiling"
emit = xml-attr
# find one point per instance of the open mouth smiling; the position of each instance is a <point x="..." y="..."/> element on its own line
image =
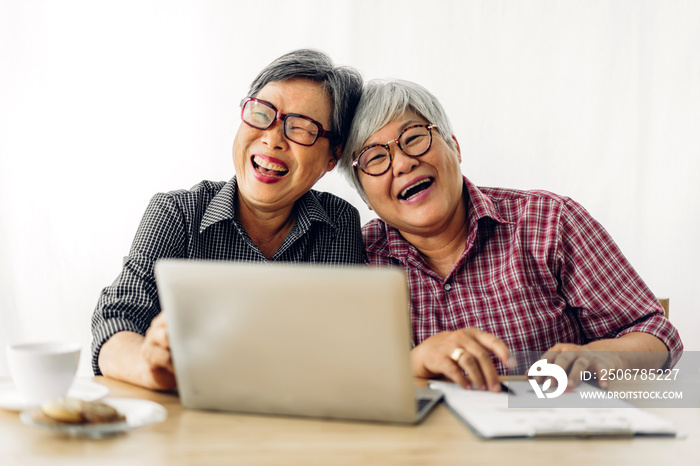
<point x="268" y="168"/>
<point x="416" y="188"/>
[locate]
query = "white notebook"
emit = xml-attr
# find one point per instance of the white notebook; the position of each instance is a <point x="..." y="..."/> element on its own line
<point x="489" y="416"/>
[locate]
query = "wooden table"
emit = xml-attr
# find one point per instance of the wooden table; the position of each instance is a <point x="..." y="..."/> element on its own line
<point x="194" y="437"/>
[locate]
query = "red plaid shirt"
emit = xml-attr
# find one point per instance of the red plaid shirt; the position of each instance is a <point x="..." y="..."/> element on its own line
<point x="537" y="270"/>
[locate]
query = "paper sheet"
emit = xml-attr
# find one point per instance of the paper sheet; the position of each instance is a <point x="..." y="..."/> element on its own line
<point x="489" y="416"/>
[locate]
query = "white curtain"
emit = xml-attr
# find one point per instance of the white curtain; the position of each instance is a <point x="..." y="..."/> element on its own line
<point x="102" y="104"/>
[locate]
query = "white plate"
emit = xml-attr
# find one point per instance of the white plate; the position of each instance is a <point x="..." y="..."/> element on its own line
<point x="86" y="390"/>
<point x="138" y="413"/>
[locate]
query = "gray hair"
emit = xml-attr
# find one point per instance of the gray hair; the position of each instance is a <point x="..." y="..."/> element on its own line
<point x="383" y="101"/>
<point x="343" y="85"/>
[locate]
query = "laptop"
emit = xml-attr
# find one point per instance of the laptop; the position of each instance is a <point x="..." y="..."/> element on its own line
<point x="292" y="339"/>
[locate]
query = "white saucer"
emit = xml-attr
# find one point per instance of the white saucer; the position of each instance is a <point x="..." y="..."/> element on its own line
<point x="138" y="413"/>
<point x="87" y="390"/>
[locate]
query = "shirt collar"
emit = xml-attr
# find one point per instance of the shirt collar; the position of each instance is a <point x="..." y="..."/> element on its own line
<point x="480" y="205"/>
<point x="310" y="210"/>
<point x="223" y="207"/>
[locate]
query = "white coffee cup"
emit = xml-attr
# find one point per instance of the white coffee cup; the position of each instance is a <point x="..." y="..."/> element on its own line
<point x="43" y="371"/>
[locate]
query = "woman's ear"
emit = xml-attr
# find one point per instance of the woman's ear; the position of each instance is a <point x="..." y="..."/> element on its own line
<point x="364" y="198"/>
<point x="333" y="161"/>
<point x="459" y="151"/>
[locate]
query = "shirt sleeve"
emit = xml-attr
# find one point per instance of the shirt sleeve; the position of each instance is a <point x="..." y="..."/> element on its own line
<point x="131" y="302"/>
<point x="601" y="285"/>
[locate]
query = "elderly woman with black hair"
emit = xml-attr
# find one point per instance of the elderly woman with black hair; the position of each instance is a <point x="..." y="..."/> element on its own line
<point x="492" y="271"/>
<point x="295" y="121"/>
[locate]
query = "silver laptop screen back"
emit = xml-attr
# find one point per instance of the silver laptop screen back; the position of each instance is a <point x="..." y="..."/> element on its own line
<point x="289" y="339"/>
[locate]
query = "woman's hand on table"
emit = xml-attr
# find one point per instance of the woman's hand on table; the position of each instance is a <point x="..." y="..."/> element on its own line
<point x="141" y="360"/>
<point x="452" y="353"/>
<point x="156" y="352"/>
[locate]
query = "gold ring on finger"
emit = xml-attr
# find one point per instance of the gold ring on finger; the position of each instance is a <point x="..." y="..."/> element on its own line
<point x="456" y="354"/>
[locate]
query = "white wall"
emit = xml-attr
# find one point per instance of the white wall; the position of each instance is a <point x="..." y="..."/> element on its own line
<point x="103" y="104"/>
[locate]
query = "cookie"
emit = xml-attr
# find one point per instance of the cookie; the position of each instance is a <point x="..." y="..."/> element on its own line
<point x="73" y="411"/>
<point x="66" y="410"/>
<point x="39" y="416"/>
<point x="95" y="412"/>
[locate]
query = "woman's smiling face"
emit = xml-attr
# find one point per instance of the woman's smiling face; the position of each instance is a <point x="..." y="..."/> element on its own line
<point x="417" y="195"/>
<point x="273" y="172"/>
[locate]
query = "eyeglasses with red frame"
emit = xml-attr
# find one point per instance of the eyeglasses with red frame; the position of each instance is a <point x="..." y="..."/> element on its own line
<point x="261" y="114"/>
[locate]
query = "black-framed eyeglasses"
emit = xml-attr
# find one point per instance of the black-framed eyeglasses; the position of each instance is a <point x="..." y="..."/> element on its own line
<point x="413" y="141"/>
<point x="300" y="129"/>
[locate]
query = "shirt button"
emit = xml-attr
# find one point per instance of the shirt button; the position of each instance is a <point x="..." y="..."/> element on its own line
<point x="447" y="287"/>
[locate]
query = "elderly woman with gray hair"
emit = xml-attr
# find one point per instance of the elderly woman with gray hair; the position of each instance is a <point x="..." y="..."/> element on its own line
<point x="294" y="123"/>
<point x="492" y="271"/>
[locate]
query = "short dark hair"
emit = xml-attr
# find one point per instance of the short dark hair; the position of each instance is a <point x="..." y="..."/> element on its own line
<point x="343" y="85"/>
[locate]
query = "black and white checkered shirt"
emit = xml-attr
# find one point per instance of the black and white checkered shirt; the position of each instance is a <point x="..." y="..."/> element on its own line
<point x="201" y="224"/>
